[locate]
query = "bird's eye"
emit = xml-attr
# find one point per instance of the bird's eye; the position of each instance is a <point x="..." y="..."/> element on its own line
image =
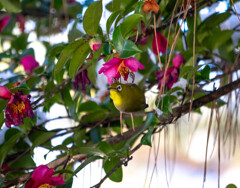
<point x="119" y="88"/>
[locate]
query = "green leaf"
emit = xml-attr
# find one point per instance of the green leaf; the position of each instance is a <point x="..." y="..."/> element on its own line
<point x="129" y="24"/>
<point x="216" y="37"/>
<point x="67" y="97"/>
<point x="2" y="119"/>
<point x="66" y="54"/>
<point x="231" y="186"/>
<point x="67" y="184"/>
<point x="213" y="21"/>
<point x="92" y="18"/>
<point x="107" y="49"/>
<point x="88" y="106"/>
<point x="8" y="145"/>
<point x="90" y="151"/>
<point x="146" y="139"/>
<point x="11" y="5"/>
<point x="111" y="20"/>
<point x="95" y="135"/>
<point x="24" y="161"/>
<point x="118" y="40"/>
<point x="205" y="73"/>
<point x="20" y="43"/>
<point x="40" y="138"/>
<point x="3" y="104"/>
<point x="109" y="165"/>
<point x="78" y="58"/>
<point x="105" y="147"/>
<point x="86" y="162"/>
<point x="95" y="116"/>
<point x="129" y="49"/>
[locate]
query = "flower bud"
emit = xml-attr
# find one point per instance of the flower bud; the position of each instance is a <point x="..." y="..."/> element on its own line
<point x="29" y="63"/>
<point x="4" y="93"/>
<point x="95" y="44"/>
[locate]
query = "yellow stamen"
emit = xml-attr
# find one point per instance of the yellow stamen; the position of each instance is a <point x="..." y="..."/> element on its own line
<point x="17" y="107"/>
<point x="45" y="186"/>
<point x="123" y="70"/>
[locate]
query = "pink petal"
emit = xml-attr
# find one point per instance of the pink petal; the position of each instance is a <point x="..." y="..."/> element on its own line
<point x="178" y="60"/>
<point x="109" y="64"/>
<point x="133" y="64"/>
<point x="5" y="93"/>
<point x="112" y="73"/>
<point x="162" y="43"/>
<point x="29" y="63"/>
<point x="40" y="172"/>
<point x="96" y="47"/>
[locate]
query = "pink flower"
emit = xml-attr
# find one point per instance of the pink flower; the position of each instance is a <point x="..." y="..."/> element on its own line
<point x="4" y="21"/>
<point x="29" y="63"/>
<point x="95" y="44"/>
<point x="42" y="177"/>
<point x="117" y="67"/>
<point x="81" y="78"/>
<point x="162" y="43"/>
<point x="4" y="93"/>
<point x="18" y="107"/>
<point x="178" y="60"/>
<point x="170" y="79"/>
<point x="21" y="22"/>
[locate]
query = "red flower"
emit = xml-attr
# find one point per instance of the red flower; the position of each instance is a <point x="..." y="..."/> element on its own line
<point x="170" y="79"/>
<point x="81" y="78"/>
<point x="178" y="60"/>
<point x="18" y="107"/>
<point x="4" y="21"/>
<point x="117" y="67"/>
<point x="29" y="63"/>
<point x="42" y="177"/>
<point x="162" y="43"/>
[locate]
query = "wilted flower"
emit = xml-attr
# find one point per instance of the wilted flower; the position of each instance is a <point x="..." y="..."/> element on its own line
<point x="170" y="78"/>
<point x="5" y="93"/>
<point x="42" y="177"/>
<point x="161" y="43"/>
<point x="21" y="22"/>
<point x="4" y="21"/>
<point x="178" y="60"/>
<point x="117" y="67"/>
<point x="18" y="107"/>
<point x="81" y="78"/>
<point x="95" y="44"/>
<point x="29" y="63"/>
<point x="150" y="5"/>
<point x="5" y="167"/>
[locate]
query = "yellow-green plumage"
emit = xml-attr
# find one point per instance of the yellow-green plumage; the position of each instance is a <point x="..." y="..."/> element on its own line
<point x="127" y="97"/>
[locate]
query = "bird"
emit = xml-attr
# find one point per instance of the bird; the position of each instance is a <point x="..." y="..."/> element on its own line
<point x="127" y="98"/>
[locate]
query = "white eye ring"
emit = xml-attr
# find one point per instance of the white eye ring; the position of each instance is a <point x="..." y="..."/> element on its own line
<point x="119" y="88"/>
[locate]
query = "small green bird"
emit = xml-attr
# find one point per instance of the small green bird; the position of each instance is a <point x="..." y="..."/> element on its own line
<point x="127" y="98"/>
